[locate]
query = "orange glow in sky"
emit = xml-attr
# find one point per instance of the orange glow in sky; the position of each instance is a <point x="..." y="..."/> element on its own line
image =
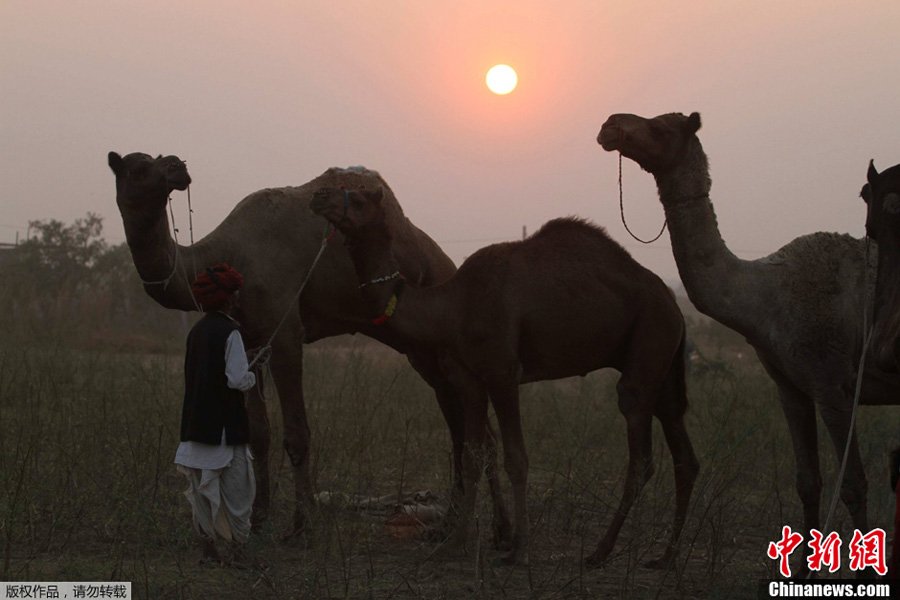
<point x="794" y="104"/>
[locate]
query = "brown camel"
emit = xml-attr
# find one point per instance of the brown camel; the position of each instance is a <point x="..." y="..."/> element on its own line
<point x="564" y="302"/>
<point x="802" y="308"/>
<point x="882" y="196"/>
<point x="272" y="237"/>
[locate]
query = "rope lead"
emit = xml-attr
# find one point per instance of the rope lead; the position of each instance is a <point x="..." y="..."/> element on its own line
<point x="268" y="345"/>
<point x="622" y="211"/>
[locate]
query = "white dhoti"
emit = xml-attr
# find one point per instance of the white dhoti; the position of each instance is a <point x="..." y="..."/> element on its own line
<point x="221" y="498"/>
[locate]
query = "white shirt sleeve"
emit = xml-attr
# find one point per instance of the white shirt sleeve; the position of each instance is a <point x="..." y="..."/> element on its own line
<point x="239" y="378"/>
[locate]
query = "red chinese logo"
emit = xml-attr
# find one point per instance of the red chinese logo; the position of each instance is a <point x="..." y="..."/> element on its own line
<point x="865" y="551"/>
<point x="783" y="549"/>
<point x="868" y="551"/>
<point x="825" y="552"/>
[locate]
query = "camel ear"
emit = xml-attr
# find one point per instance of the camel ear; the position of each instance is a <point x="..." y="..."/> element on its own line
<point x="693" y="123"/>
<point x="872" y="174"/>
<point x="866" y="193"/>
<point x="116" y="163"/>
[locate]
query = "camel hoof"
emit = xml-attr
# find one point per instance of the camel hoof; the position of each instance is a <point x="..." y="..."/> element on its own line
<point x="502" y="537"/>
<point x="511" y="559"/>
<point x="664" y="562"/>
<point x="297" y="538"/>
<point x="207" y="562"/>
<point x="595" y="560"/>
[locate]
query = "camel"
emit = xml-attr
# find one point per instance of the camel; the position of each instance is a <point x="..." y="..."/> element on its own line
<point x="272" y="238"/>
<point x="564" y="302"/>
<point x="801" y="308"/>
<point x="882" y="196"/>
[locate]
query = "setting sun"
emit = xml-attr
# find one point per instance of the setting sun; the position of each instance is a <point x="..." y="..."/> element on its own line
<point x="501" y="79"/>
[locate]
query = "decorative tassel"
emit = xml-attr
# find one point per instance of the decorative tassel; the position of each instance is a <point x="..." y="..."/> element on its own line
<point x="392" y="303"/>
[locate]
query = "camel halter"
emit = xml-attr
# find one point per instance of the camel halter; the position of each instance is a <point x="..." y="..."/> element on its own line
<point x="393" y="275"/>
<point x="165" y="282"/>
<point x="622" y="204"/>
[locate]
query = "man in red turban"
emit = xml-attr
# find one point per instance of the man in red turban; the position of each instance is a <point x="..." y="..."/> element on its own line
<point x="215" y="285"/>
<point x="214" y="453"/>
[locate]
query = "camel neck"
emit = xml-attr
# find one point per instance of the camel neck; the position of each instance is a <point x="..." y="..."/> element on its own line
<point x="886" y="326"/>
<point x="165" y="267"/>
<point x="709" y="270"/>
<point x="420" y="315"/>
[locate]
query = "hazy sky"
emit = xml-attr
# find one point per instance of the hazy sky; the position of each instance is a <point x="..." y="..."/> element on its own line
<point x="796" y="97"/>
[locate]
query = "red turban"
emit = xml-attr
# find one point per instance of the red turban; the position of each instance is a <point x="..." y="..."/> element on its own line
<point x="213" y="286"/>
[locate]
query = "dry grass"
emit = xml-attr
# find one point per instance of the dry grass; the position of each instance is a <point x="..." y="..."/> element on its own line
<point x="88" y="490"/>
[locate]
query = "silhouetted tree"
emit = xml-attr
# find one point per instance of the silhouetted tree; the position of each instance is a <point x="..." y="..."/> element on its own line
<point x="67" y="275"/>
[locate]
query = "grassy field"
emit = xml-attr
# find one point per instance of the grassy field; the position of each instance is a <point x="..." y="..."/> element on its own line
<point x="88" y="491"/>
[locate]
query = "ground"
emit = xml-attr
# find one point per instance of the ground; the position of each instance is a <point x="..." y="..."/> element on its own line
<point x="89" y="491"/>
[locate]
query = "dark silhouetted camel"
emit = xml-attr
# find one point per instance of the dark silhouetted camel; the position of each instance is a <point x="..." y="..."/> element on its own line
<point x="564" y="302"/>
<point x="272" y="238"/>
<point x="802" y="308"/>
<point x="882" y="196"/>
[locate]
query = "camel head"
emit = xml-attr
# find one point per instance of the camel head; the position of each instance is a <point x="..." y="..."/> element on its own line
<point x="353" y="212"/>
<point x="657" y="144"/>
<point x="360" y="216"/>
<point x="144" y="182"/>
<point x="882" y="196"/>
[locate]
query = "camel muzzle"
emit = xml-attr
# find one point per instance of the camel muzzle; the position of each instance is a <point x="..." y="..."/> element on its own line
<point x="610" y="137"/>
<point x="177" y="175"/>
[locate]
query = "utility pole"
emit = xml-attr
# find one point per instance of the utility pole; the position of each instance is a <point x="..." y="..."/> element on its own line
<point x="524" y="232"/>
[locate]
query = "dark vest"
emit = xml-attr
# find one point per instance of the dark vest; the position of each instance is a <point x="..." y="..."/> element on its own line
<point x="209" y="404"/>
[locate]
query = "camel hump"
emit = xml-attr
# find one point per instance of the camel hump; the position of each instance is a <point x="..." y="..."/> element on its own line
<point x="818" y="250"/>
<point x="579" y="230"/>
<point x="354" y="173"/>
<point x="359" y="169"/>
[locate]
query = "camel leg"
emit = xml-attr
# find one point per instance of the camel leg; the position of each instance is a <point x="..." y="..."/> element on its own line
<point x="501" y="527"/>
<point x="670" y="411"/>
<point x="800" y="414"/>
<point x="287" y="370"/>
<point x="260" y="436"/>
<point x="475" y="403"/>
<point x="854" y="488"/>
<point x="686" y="469"/>
<point x="426" y="363"/>
<point x="640" y="465"/>
<point x="505" y="399"/>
